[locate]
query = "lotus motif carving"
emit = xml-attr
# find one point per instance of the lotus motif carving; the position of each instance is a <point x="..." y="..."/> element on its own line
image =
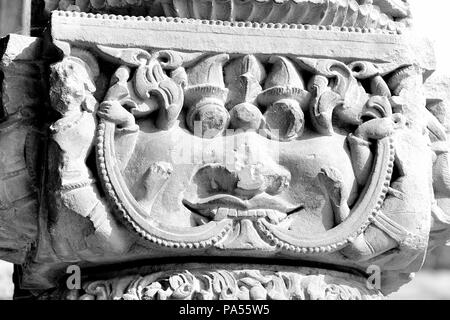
<point x="342" y="13"/>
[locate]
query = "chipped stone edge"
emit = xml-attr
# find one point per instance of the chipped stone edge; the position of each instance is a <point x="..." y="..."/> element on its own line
<point x="232" y="24"/>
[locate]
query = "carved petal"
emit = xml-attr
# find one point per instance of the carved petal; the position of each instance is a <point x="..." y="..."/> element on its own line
<point x="209" y="71"/>
<point x="363" y="69"/>
<point x="243" y="77"/>
<point x="330" y="69"/>
<point x="128" y="56"/>
<point x="170" y="59"/>
<point x="322" y="111"/>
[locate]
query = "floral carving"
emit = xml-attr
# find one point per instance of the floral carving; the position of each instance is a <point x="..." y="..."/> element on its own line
<point x="221" y="284"/>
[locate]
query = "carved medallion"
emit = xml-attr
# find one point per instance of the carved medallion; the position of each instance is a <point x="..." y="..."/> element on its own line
<point x="223" y="185"/>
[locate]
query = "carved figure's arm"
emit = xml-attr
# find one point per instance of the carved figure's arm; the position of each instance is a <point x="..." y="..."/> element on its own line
<point x="362" y="157"/>
<point x="127" y="130"/>
<point x="359" y="143"/>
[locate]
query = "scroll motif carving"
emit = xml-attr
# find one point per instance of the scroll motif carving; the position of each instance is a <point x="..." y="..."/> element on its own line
<point x="227" y="285"/>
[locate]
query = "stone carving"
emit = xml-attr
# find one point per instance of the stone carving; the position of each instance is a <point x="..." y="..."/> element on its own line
<point x="225" y="284"/>
<point x="436" y="103"/>
<point x="72" y="138"/>
<point x="235" y="153"/>
<point x="348" y="13"/>
<point x="22" y="78"/>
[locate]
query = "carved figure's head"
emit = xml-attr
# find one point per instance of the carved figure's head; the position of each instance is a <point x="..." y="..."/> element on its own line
<point x="74" y="80"/>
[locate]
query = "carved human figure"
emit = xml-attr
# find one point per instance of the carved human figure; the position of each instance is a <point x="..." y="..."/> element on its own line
<point x="404" y="216"/>
<point x="72" y="85"/>
<point x="149" y="90"/>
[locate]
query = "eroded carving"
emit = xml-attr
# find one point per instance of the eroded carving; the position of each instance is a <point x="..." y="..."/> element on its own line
<point x="223" y="284"/>
<point x="252" y="152"/>
<point x="74" y="187"/>
<point x="349" y="13"/>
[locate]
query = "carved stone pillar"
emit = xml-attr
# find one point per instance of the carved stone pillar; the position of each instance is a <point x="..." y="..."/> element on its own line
<point x="217" y="149"/>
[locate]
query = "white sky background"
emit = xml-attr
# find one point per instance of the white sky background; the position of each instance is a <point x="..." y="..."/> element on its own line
<point x="432" y="17"/>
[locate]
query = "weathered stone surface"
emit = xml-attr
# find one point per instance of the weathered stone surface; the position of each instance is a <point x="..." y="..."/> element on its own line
<point x="384" y="47"/>
<point x="394" y="8"/>
<point x="438" y="97"/>
<point x="230" y="283"/>
<point x="349" y="13"/>
<point x="438" y="259"/>
<point x="236" y="141"/>
<point x="22" y="85"/>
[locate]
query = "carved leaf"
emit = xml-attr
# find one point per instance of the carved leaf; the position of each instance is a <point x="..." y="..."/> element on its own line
<point x="128" y="56"/>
